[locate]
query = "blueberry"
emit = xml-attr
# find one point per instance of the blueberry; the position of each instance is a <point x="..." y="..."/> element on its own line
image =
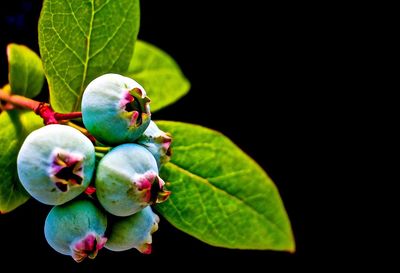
<point x="133" y="232"/>
<point x="127" y="180"/>
<point x="115" y="109"/>
<point x="77" y="229"/>
<point x="157" y="142"/>
<point x="55" y="164"/>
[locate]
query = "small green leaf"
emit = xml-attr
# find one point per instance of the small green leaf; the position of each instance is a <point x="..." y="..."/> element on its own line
<point x="26" y="74"/>
<point x="159" y="74"/>
<point x="14" y="127"/>
<point x="220" y="195"/>
<point x="82" y="39"/>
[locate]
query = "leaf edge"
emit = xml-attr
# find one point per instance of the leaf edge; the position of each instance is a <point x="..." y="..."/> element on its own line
<point x="291" y="242"/>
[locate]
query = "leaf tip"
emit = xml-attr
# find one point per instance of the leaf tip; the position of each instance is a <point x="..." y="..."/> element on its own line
<point x="8" y="50"/>
<point x="291" y="244"/>
<point x="292" y="248"/>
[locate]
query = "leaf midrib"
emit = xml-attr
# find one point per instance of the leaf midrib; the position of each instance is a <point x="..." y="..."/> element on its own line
<point x="87" y="57"/>
<point x="205" y="181"/>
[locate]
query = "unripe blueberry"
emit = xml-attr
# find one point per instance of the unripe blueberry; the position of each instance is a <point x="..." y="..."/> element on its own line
<point x="56" y="163"/>
<point x="115" y="109"/>
<point x="133" y="232"/>
<point x="127" y="180"/>
<point x="157" y="142"/>
<point x="77" y="229"/>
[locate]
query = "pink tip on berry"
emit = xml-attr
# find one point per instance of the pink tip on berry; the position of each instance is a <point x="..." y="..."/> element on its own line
<point x="87" y="247"/>
<point x="66" y="169"/>
<point x="135" y="116"/>
<point x="143" y="184"/>
<point x="128" y="98"/>
<point x="145" y="181"/>
<point x="145" y="249"/>
<point x="166" y="143"/>
<point x="150" y="175"/>
<point x="101" y="241"/>
<point x="151" y="187"/>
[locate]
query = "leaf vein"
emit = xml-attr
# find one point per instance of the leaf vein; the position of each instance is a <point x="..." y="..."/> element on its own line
<point x="87" y="58"/>
<point x="76" y="19"/>
<point x="64" y="43"/>
<point x="109" y="39"/>
<point x="102" y="6"/>
<point x="214" y="187"/>
<point x="177" y="211"/>
<point x="209" y="221"/>
<point x="63" y="80"/>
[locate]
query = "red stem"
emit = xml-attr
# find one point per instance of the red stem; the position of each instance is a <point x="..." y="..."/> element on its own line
<point x="19" y="100"/>
<point x="42" y="109"/>
<point x="67" y="116"/>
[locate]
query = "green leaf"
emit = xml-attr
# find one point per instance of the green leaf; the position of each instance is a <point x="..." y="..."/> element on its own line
<point x="220" y="195"/>
<point x="159" y="74"/>
<point x="14" y="127"/>
<point x="26" y="74"/>
<point x="82" y="39"/>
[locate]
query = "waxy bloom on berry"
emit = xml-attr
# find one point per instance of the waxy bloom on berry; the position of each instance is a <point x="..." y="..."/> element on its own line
<point x="77" y="229"/>
<point x="115" y="109"/>
<point x="56" y="163"/>
<point x="127" y="180"/>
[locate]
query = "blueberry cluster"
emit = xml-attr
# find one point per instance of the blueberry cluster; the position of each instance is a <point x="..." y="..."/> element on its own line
<point x="57" y="163"/>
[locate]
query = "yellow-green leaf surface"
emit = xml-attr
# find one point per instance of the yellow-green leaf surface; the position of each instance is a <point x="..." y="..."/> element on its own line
<point x="14" y="127"/>
<point x="82" y="39"/>
<point x="25" y="73"/>
<point x="219" y="194"/>
<point x="159" y="74"/>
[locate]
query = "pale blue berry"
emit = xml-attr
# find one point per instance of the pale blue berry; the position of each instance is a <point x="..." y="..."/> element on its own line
<point x="55" y="164"/>
<point x="77" y="229"/>
<point x="157" y="142"/>
<point x="133" y="232"/>
<point x="115" y="109"/>
<point x="127" y="180"/>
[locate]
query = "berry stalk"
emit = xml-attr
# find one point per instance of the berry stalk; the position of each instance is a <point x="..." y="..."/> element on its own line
<point x="82" y="130"/>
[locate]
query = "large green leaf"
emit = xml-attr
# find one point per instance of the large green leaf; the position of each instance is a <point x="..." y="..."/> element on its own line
<point x="25" y="73"/>
<point x="14" y="127"/>
<point x="220" y="195"/>
<point x="82" y="39"/>
<point x="159" y="74"/>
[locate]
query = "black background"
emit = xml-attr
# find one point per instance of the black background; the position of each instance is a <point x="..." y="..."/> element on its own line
<point x="253" y="72"/>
